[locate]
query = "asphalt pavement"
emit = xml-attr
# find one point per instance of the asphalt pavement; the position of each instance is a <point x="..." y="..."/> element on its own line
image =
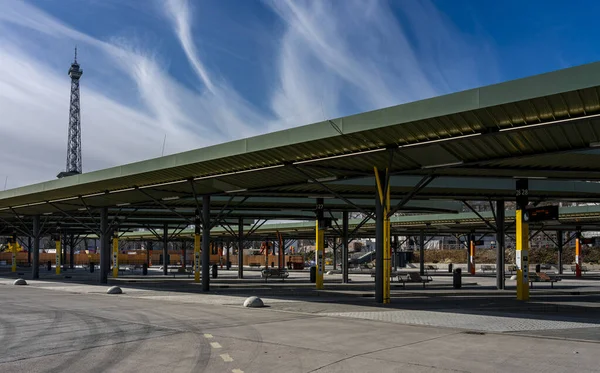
<point x="73" y="326"/>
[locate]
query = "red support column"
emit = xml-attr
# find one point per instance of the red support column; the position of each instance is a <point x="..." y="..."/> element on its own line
<point x="578" y="258"/>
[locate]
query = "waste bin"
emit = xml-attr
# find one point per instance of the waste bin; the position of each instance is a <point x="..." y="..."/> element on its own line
<point x="289" y="265"/>
<point x="272" y="264"/>
<point x="457" y="278"/>
<point x="144" y="269"/>
<point x="313" y="274"/>
<point x="215" y="268"/>
<point x="229" y="265"/>
<point x="92" y="265"/>
<point x="450" y="268"/>
<point x="402" y="260"/>
<point x="538" y="268"/>
<point x="49" y="265"/>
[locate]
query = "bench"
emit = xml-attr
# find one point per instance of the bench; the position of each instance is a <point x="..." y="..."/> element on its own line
<point x="414" y="277"/>
<point x="134" y="267"/>
<point x="545" y="266"/>
<point x="512" y="268"/>
<point x="431" y="267"/>
<point x="187" y="271"/>
<point x="584" y="269"/>
<point x="543" y="277"/>
<point x="274" y="272"/>
<point x="488" y="267"/>
<point x="254" y="265"/>
<point x="365" y="266"/>
<point x="392" y="275"/>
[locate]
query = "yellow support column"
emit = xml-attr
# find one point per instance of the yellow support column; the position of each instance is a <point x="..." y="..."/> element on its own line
<point x="115" y="256"/>
<point x="522" y="257"/>
<point x="197" y="257"/>
<point x="320" y="255"/>
<point x="58" y="250"/>
<point x="387" y="258"/>
<point x="13" y="250"/>
<point x="384" y="198"/>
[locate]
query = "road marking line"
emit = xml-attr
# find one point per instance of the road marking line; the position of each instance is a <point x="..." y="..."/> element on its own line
<point x="226" y="358"/>
<point x="208" y="336"/>
<point x="237" y="371"/>
<point x="215" y="345"/>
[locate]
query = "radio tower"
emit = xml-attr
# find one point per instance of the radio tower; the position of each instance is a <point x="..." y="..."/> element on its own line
<point x="74" y="139"/>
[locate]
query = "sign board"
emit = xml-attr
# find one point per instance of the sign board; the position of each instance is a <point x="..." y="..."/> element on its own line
<point x="325" y="223"/>
<point x="540" y="214"/>
<point x="590" y="240"/>
<point x="197" y="261"/>
<point x="320" y="262"/>
<point x="522" y="193"/>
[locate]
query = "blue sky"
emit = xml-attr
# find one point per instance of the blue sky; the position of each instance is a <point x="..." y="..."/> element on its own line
<point x="205" y="72"/>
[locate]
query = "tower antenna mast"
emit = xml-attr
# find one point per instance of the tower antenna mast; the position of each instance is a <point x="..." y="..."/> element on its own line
<point x="74" y="166"/>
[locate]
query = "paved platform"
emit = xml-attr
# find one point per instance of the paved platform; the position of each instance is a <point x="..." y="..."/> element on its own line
<point x="75" y="327"/>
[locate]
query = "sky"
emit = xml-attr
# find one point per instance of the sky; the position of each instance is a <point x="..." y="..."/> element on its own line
<point x="188" y="74"/>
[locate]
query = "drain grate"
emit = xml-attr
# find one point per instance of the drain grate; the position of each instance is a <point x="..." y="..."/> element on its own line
<point x="473" y="332"/>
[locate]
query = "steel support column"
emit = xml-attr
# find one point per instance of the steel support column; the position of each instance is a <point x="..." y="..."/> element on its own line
<point x="500" y="260"/>
<point x="104" y="254"/>
<point x="206" y="243"/>
<point x="422" y="252"/>
<point x="345" y="244"/>
<point x="319" y="253"/>
<point x="468" y="245"/>
<point x="395" y="253"/>
<point x="13" y="246"/>
<point x="72" y="252"/>
<point x="29" y="250"/>
<point x="63" y="258"/>
<point x="58" y="251"/>
<point x="227" y="256"/>
<point x="35" y="273"/>
<point x="184" y="253"/>
<point x="472" y="254"/>
<point x="165" y="249"/>
<point x="334" y="253"/>
<point x="240" y="247"/>
<point x="115" y="254"/>
<point x="148" y="250"/>
<point x="522" y="257"/>
<point x="379" y="247"/>
<point x="382" y="237"/>
<point x="559" y="240"/>
<point x="281" y="258"/>
<point x="522" y="239"/>
<point x="578" y="255"/>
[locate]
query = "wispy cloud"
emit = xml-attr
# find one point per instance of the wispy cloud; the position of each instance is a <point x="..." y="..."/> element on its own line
<point x="231" y="114"/>
<point x="362" y="50"/>
<point x="179" y="13"/>
<point x="331" y="58"/>
<point x="116" y="129"/>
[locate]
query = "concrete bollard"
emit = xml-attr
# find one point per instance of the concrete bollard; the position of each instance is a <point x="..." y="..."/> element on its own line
<point x="114" y="290"/>
<point x="254" y="302"/>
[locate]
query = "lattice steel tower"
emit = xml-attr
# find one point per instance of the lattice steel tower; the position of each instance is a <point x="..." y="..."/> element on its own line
<point x="74" y="139"/>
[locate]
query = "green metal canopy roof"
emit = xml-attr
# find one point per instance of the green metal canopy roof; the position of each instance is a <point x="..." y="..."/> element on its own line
<point x="546" y="126"/>
<point x="571" y="218"/>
